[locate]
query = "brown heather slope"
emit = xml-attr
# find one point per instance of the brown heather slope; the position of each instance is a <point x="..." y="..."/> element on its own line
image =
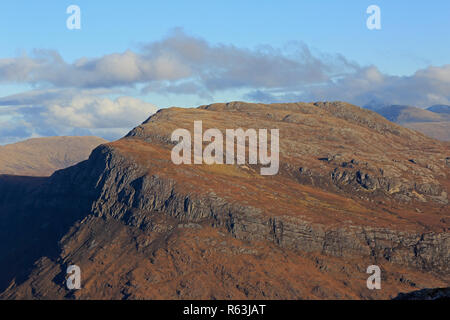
<point x="437" y="130"/>
<point x="353" y="190"/>
<point x="43" y="156"/>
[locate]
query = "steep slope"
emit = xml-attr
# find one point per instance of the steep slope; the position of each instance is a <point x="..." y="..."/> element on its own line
<point x="43" y="156"/>
<point x="353" y="190"/>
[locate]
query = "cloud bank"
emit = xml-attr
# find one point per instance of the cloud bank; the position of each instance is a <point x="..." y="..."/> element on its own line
<point x="61" y="112"/>
<point x="179" y="58"/>
<point x="424" y="88"/>
<point x="74" y="96"/>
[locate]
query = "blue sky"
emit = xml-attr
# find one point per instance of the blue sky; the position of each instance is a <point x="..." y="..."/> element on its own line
<point x="353" y="63"/>
<point x="414" y="33"/>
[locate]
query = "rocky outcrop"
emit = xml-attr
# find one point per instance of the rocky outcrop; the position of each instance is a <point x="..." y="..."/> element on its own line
<point x="127" y="192"/>
<point x="426" y="294"/>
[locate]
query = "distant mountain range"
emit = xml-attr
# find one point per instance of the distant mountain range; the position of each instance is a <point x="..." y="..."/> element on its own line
<point x="440" y="108"/>
<point x="433" y="121"/>
<point x="43" y="156"/>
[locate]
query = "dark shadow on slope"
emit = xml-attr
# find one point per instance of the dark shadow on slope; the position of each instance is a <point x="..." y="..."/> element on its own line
<point x="426" y="294"/>
<point x="35" y="213"/>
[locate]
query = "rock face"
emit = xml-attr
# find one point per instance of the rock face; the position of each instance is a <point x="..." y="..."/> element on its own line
<point x="43" y="156"/>
<point x="353" y="190"/>
<point x="426" y="294"/>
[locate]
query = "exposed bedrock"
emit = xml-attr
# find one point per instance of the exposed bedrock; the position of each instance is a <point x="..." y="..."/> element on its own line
<point x="127" y="192"/>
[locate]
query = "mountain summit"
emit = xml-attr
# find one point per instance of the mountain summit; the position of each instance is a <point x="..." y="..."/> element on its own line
<point x="352" y="190"/>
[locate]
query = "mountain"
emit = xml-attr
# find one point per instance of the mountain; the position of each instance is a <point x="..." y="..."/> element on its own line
<point x="352" y="190"/>
<point x="406" y="114"/>
<point x="434" y="121"/>
<point x="439" y="108"/>
<point x="43" y="156"/>
<point x="375" y="104"/>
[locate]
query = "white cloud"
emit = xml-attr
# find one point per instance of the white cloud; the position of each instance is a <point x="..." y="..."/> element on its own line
<point x="70" y="97"/>
<point x="95" y="112"/>
<point x="178" y="57"/>
<point x="59" y="112"/>
<point x="424" y="88"/>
